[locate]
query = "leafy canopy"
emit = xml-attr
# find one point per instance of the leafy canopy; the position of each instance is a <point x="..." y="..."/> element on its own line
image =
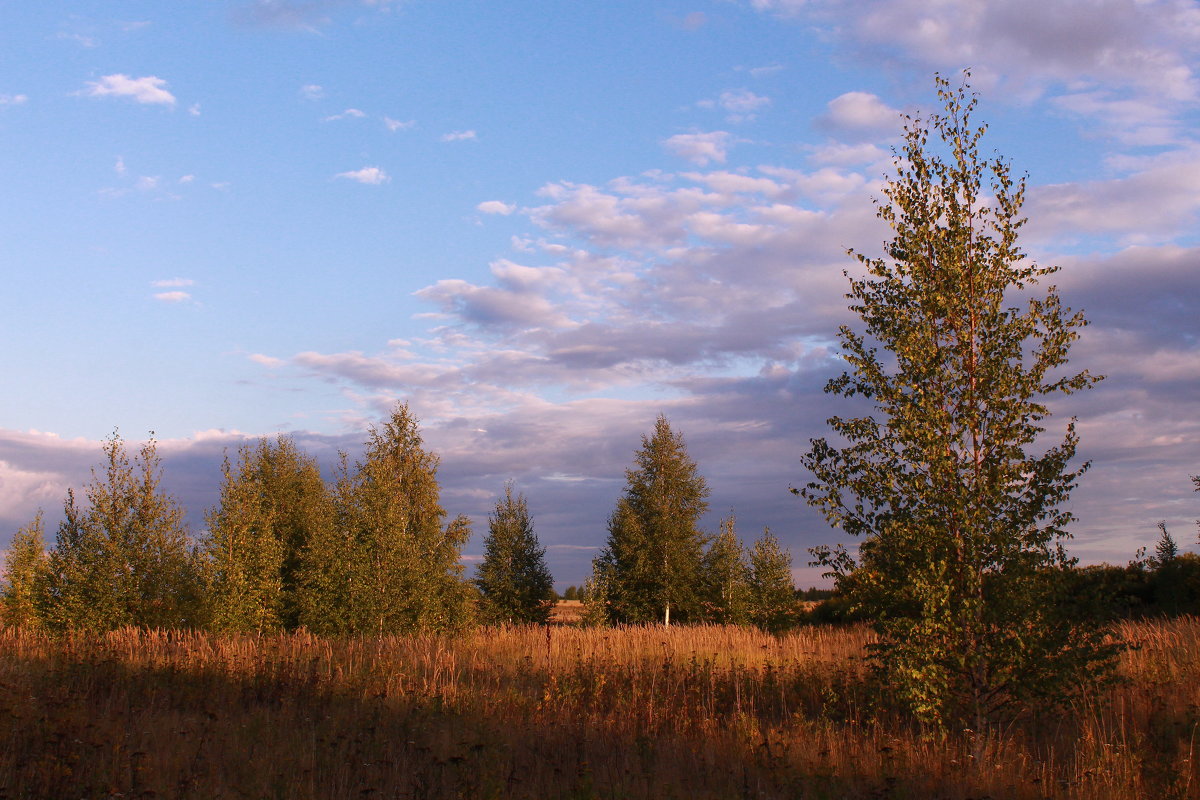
<point x="960" y="515"/>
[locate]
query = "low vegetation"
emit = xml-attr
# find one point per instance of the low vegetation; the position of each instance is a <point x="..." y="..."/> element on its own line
<point x="537" y="712"/>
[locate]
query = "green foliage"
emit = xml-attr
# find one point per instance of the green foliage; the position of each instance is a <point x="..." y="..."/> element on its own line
<point x="725" y="579"/>
<point x="272" y="506"/>
<point x="572" y="593"/>
<point x="1166" y="550"/>
<point x="124" y="557"/>
<point x="23" y="601"/>
<point x="961" y="560"/>
<point x="1169" y="580"/>
<point x="387" y="565"/>
<point x="594" y="594"/>
<point x="772" y="595"/>
<point x="650" y="568"/>
<point x="513" y="578"/>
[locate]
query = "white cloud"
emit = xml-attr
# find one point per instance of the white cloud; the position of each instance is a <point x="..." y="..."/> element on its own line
<point x="394" y="125"/>
<point x="767" y="71"/>
<point x="1139" y="51"/>
<point x="266" y="361"/>
<point x="147" y="183"/>
<point x="80" y="39"/>
<point x="349" y="113"/>
<point x="194" y="109"/>
<point x="1158" y="201"/>
<point x="458" y="136"/>
<point x="24" y="490"/>
<point x="369" y="175"/>
<point x="311" y="91"/>
<point x="785" y="7"/>
<point x="172" y="297"/>
<point x="860" y="115"/>
<point x="149" y="89"/>
<point x="12" y="99"/>
<point x="741" y="105"/>
<point x="170" y="283"/>
<point x="119" y="167"/>
<point x="1140" y="121"/>
<point x="495" y="207"/>
<point x="700" y="148"/>
<point x="186" y="178"/>
<point x="844" y="154"/>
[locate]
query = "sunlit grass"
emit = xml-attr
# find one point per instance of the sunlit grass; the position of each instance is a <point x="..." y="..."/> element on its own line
<point x="700" y="712"/>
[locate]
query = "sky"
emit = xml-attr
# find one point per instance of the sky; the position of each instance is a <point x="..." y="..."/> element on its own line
<point x="544" y="224"/>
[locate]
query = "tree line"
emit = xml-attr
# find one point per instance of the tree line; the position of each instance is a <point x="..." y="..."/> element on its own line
<point x="370" y="552"/>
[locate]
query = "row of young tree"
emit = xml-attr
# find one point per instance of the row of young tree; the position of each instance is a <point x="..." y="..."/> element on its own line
<point x="658" y="565"/>
<point x="372" y="552"/>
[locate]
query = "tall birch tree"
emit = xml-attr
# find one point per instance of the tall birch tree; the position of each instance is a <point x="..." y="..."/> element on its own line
<point x="958" y="506"/>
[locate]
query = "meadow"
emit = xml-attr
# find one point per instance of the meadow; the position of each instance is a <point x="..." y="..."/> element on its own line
<point x="557" y="712"/>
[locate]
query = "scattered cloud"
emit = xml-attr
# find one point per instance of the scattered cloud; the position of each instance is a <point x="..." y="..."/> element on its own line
<point x="741" y="105"/>
<point x="713" y="296"/>
<point x="172" y="297"/>
<point x="194" y="109"/>
<point x="765" y="72"/>
<point x="700" y="148"/>
<point x="120" y="167"/>
<point x="458" y="136"/>
<point x="80" y="39"/>
<point x="369" y="175"/>
<point x="1140" y="51"/>
<point x="266" y="361"/>
<point x="349" y="113"/>
<point x="782" y="7"/>
<point x="13" y="99"/>
<point x="495" y="207"/>
<point x="394" y="125"/>
<point x="147" y="90"/>
<point x="170" y="283"/>
<point x="186" y="178"/>
<point x="1154" y="203"/>
<point x="1136" y="121"/>
<point x="694" y="21"/>
<point x="859" y="115"/>
<point x="311" y="91"/>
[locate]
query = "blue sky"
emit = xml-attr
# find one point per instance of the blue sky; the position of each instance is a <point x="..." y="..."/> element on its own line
<point x="542" y="224"/>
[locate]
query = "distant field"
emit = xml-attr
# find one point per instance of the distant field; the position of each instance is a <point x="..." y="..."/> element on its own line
<point x="566" y="612"/>
<point x="558" y="712"/>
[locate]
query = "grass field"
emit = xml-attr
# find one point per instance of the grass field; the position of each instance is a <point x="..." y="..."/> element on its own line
<point x="558" y="712"/>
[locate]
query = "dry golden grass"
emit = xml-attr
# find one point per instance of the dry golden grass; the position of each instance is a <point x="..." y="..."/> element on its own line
<point x="566" y="612"/>
<point x="703" y="712"/>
